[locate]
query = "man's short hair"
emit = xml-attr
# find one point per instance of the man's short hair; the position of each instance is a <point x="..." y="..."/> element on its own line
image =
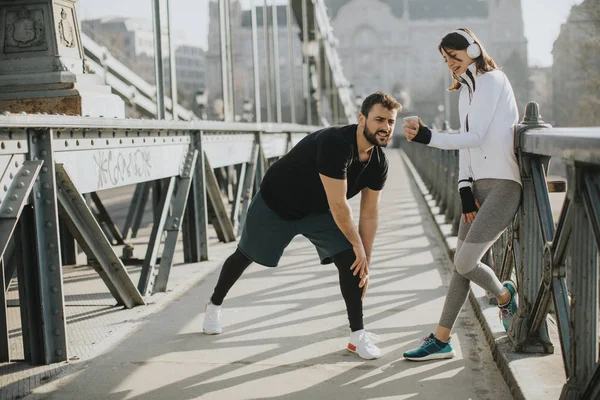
<point x="379" y="98"/>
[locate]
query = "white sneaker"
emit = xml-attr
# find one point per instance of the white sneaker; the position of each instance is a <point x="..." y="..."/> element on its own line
<point x="212" y="323"/>
<point x="361" y="344"/>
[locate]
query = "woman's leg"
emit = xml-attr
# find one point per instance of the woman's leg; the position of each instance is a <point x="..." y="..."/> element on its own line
<point x="500" y="200"/>
<point x="458" y="291"/>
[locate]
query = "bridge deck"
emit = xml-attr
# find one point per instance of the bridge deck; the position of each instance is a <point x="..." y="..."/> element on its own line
<point x="285" y="330"/>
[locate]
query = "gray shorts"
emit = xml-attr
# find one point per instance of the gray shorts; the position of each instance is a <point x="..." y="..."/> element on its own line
<point x="265" y="234"/>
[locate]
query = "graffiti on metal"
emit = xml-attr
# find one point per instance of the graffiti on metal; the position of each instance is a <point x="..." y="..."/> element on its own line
<point x="117" y="166"/>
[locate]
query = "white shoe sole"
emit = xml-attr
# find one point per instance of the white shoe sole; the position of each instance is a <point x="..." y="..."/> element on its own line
<point x="436" y="356"/>
<point x="364" y="358"/>
<point x="211" y="332"/>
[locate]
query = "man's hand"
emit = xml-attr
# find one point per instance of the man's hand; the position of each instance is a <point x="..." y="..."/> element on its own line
<point x="360" y="265"/>
<point x="364" y="284"/>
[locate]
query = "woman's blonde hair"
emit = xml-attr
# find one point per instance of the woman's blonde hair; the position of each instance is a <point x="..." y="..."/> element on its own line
<point x="455" y="41"/>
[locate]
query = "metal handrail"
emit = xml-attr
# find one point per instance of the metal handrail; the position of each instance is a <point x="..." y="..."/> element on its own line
<point x="74" y="122"/>
<point x="126" y="82"/>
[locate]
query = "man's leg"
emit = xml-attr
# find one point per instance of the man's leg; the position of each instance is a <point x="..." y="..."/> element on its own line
<point x="360" y="341"/>
<point x="264" y="237"/>
<point x="232" y="269"/>
<point x="350" y="290"/>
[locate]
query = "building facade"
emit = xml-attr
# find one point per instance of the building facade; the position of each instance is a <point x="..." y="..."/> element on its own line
<point x="243" y="66"/>
<point x="131" y="41"/>
<point x="576" y="68"/>
<point x="392" y="46"/>
<point x="540" y="91"/>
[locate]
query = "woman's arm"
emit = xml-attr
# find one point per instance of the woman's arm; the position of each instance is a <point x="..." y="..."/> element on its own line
<point x="483" y="107"/>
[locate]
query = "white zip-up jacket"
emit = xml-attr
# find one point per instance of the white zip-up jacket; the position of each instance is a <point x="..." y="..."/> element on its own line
<point x="488" y="114"/>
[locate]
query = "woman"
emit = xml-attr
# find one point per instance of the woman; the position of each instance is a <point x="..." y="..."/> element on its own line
<point x="489" y="180"/>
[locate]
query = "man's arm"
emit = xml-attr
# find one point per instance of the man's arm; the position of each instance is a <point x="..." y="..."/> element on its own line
<point x="369" y="219"/>
<point x="335" y="189"/>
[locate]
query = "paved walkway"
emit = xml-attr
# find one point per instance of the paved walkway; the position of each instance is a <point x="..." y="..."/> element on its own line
<point x="285" y="330"/>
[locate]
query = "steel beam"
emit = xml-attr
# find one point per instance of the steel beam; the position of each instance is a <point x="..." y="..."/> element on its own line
<point x="235" y="207"/>
<point x="105" y="221"/>
<point x="4" y="341"/>
<point x="141" y="208"/>
<point x="226" y="150"/>
<point x="184" y="183"/>
<point x="100" y="169"/>
<point x="248" y="190"/>
<point x="10" y="211"/>
<point x="255" y="65"/>
<point x="195" y="232"/>
<point x="48" y="317"/>
<point x="222" y="223"/>
<point x="86" y="230"/>
<point x="134" y="206"/>
<point x="147" y="276"/>
<point x="29" y="281"/>
<point x="158" y="60"/>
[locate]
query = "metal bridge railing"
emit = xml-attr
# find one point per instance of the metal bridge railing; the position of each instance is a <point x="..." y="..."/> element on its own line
<point x="538" y="250"/>
<point x="53" y="167"/>
<point x="126" y="83"/>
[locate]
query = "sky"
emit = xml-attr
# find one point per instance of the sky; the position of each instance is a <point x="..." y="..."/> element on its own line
<point x="542" y="18"/>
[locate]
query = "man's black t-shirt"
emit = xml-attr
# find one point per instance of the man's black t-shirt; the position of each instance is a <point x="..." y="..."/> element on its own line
<point x="292" y="187"/>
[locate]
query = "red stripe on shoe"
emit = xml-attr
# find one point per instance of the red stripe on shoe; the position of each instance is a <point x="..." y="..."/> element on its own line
<point x="351" y="347"/>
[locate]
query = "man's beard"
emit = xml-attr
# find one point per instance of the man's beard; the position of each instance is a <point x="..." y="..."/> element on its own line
<point x="372" y="137"/>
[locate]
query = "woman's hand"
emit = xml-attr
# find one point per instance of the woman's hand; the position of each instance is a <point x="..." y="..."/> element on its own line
<point x="470" y="217"/>
<point x="411" y="131"/>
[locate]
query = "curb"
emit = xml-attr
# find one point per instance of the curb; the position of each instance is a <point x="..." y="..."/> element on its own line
<point x="498" y="342"/>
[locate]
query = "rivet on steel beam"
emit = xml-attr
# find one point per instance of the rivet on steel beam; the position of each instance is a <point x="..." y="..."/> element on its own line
<point x="57" y="333"/>
<point x="52" y="267"/>
<point x="54" y="289"/>
<point x="48" y="224"/>
<point x="46" y="185"/>
<point x="34" y="140"/>
<point x="58" y="352"/>
<point x="43" y="153"/>
<point x="9" y="210"/>
<point x="48" y="202"/>
<point x="44" y="136"/>
<point x="38" y="195"/>
<point x="14" y="197"/>
<point x="55" y="311"/>
<point x="26" y="172"/>
<point x="21" y="185"/>
<point x="51" y="246"/>
<point x="44" y="169"/>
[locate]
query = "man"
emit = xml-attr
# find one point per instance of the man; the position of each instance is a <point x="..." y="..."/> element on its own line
<point x="306" y="192"/>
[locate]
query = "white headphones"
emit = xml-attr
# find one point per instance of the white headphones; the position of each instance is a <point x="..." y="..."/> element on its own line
<point x="473" y="50"/>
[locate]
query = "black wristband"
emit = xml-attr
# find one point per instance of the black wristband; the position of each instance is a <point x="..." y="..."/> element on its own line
<point x="423" y="135"/>
<point x="468" y="200"/>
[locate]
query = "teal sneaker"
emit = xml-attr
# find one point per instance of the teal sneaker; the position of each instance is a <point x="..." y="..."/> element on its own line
<point x="508" y="311"/>
<point x="430" y="349"/>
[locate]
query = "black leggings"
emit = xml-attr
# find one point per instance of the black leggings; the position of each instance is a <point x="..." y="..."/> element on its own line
<point x="237" y="263"/>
